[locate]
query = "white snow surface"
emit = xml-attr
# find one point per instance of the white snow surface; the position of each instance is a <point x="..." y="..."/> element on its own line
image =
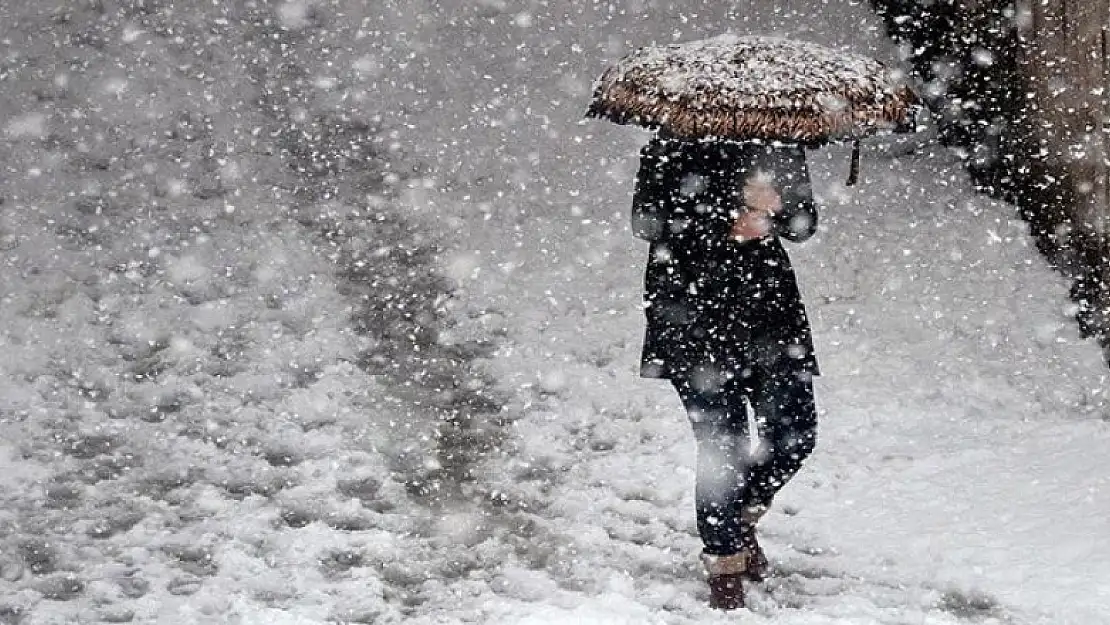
<point x="187" y="436"/>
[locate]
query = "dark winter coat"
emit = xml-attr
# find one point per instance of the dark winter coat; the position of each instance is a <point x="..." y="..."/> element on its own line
<point x="713" y="305"/>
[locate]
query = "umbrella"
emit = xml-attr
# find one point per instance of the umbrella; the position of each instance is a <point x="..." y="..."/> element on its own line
<point x="755" y="88"/>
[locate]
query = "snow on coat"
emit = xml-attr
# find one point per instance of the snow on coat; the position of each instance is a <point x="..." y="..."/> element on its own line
<point x="714" y="305"/>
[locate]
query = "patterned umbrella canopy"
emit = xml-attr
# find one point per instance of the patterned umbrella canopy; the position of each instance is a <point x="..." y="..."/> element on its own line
<point x="746" y="88"/>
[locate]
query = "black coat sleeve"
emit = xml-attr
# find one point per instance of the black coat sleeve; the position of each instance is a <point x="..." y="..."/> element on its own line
<point x="665" y="205"/>
<point x="797" y="221"/>
<point x="650" y="211"/>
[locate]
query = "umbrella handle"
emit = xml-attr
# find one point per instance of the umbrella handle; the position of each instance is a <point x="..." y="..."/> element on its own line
<point x="853" y="169"/>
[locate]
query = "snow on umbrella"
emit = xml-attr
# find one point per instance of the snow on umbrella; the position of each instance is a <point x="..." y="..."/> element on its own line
<point x="749" y="88"/>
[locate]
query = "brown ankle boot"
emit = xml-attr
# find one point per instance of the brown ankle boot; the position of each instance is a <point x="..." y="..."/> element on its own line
<point x="725" y="576"/>
<point x="758" y="565"/>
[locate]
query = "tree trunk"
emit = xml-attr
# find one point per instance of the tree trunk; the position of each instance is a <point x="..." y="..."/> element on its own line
<point x="1065" y="46"/>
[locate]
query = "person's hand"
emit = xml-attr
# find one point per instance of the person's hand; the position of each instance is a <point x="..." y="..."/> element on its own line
<point x="762" y="202"/>
<point x="760" y="195"/>
<point x="752" y="224"/>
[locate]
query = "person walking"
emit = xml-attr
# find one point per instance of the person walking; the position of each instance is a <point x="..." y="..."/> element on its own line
<point x="727" y="326"/>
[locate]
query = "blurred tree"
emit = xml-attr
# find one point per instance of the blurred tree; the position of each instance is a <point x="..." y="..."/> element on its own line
<point x="1021" y="89"/>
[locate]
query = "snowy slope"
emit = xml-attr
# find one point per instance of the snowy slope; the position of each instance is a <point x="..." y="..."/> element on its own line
<point x="195" y="428"/>
<point x="963" y="417"/>
<point x="209" y="399"/>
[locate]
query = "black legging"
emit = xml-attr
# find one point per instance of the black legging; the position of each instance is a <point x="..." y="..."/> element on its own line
<point x="730" y="477"/>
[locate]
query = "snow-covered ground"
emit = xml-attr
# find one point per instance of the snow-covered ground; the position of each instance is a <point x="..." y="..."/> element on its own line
<point x="232" y="389"/>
